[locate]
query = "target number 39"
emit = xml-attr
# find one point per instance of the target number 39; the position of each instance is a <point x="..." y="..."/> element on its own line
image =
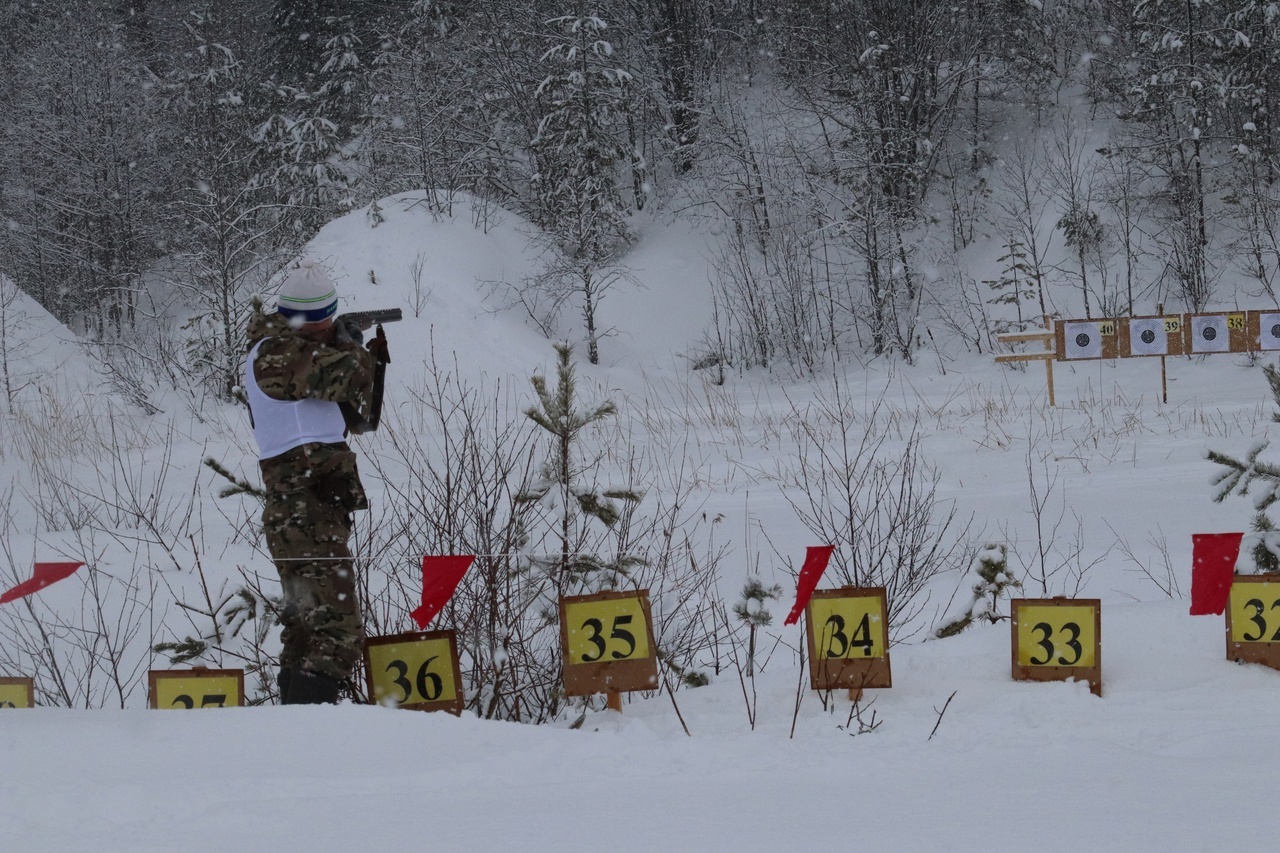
<point x="848" y="627"/>
<point x="417" y="671"/>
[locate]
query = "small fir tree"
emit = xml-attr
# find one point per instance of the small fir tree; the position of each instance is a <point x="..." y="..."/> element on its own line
<point x="750" y="610"/>
<point x="564" y="483"/>
<point x="1015" y="285"/>
<point x="989" y="579"/>
<point x="1239" y="476"/>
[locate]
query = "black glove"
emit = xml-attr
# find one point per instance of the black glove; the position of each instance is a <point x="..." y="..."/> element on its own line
<point x="347" y="331"/>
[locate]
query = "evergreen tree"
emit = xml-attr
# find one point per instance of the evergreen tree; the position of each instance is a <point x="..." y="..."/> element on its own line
<point x="231" y="235"/>
<point x="750" y="611"/>
<point x="565" y="488"/>
<point x="579" y="148"/>
<point x="1238" y="476"/>
<point x="989" y="578"/>
<point x="1017" y="284"/>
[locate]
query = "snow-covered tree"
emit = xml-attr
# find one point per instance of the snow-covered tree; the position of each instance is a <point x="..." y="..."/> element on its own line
<point x="579" y="148"/>
<point x="231" y="230"/>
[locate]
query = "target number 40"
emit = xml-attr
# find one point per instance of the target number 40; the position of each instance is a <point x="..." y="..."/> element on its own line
<point x="419" y="671"/>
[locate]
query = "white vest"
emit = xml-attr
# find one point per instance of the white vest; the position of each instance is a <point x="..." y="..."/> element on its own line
<point x="281" y="425"/>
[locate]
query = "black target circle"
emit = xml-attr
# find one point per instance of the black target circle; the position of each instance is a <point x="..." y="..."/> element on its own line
<point x="1275" y="331"/>
<point x="1148" y="336"/>
<point x="1209" y="333"/>
<point x="1083" y="339"/>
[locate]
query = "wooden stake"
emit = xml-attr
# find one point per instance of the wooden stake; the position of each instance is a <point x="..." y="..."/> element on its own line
<point x="615" y="700"/>
<point x="855" y="694"/>
<point x="1164" y="374"/>
<point x="1048" y="364"/>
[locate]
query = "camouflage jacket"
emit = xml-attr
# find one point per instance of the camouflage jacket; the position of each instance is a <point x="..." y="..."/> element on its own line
<point x="290" y="366"/>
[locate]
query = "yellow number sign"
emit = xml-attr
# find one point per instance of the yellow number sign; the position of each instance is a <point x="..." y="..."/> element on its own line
<point x="607" y="640"/>
<point x="1056" y="639"/>
<point x="188" y="689"/>
<point x="1057" y="635"/>
<point x="847" y="630"/>
<point x="606" y="630"/>
<point x="419" y="671"/>
<point x="849" y="627"/>
<point x="1235" y="322"/>
<point x="17" y="693"/>
<point x="1255" y="610"/>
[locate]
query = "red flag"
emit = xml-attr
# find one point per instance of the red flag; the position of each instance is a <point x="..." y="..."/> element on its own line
<point x="41" y="576"/>
<point x="440" y="576"/>
<point x="815" y="563"/>
<point x="1213" y="561"/>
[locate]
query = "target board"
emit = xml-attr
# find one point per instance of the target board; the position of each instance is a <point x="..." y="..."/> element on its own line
<point x="1143" y="336"/>
<point x="1220" y="332"/>
<point x="195" y="688"/>
<point x="1079" y="340"/>
<point x="17" y="693"/>
<point x="1264" y="330"/>
<point x="1057" y="639"/>
<point x="418" y="671"/>
<point x="1253" y="620"/>
<point x="608" y="643"/>
<point x="847" y="630"/>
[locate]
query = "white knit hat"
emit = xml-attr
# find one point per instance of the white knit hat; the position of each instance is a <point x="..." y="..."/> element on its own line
<point x="308" y="293"/>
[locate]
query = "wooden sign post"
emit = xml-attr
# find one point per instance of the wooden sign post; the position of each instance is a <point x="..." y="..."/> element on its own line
<point x="1253" y="620"/>
<point x="17" y="693"/>
<point x="607" y="641"/>
<point x="197" y="687"/>
<point x="1057" y="639"/>
<point x="848" y="635"/>
<point x="418" y="671"/>
<point x="1047" y="337"/>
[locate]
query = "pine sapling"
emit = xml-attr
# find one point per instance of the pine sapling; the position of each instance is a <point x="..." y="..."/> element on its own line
<point x="750" y="610"/>
<point x="564" y="480"/>
<point x="989" y="579"/>
<point x="1240" y="476"/>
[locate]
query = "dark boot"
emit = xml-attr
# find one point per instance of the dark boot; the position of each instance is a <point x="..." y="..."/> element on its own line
<point x="304" y="687"/>
<point x="282" y="680"/>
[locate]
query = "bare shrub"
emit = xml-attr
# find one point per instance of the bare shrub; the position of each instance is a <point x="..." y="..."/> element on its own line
<point x="872" y="494"/>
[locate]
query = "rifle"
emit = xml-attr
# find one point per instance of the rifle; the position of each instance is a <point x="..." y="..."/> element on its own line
<point x="357" y="423"/>
<point x="374" y="318"/>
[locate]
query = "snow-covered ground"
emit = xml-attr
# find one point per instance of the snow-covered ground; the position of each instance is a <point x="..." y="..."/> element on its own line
<point x="1174" y="756"/>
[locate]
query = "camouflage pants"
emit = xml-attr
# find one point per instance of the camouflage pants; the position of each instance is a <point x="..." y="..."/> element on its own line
<point x="311" y="492"/>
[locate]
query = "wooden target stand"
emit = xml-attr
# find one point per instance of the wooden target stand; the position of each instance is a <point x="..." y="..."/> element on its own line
<point x="417" y="670"/>
<point x="198" y="687"/>
<point x="1057" y="639"/>
<point x="607" y="644"/>
<point x="1253" y="620"/>
<point x="1047" y="337"/>
<point x="847" y="631"/>
<point x="1158" y="335"/>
